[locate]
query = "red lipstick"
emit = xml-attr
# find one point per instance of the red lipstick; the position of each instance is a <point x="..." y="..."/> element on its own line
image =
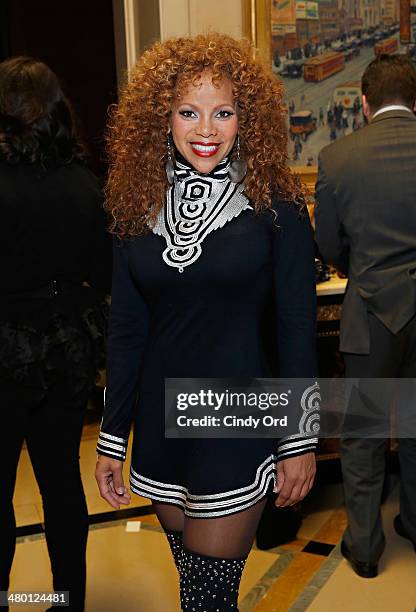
<point x="205" y="149"/>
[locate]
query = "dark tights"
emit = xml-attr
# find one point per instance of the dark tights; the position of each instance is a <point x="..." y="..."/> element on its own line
<point x="210" y="554"/>
<point x="51" y="427"/>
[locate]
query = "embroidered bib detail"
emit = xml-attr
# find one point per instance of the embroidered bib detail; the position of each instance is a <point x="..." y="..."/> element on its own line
<point x="195" y="206"/>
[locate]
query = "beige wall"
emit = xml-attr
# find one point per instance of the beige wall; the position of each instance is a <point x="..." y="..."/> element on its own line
<point x="139" y="22"/>
<point x="184" y="17"/>
<point x="136" y="26"/>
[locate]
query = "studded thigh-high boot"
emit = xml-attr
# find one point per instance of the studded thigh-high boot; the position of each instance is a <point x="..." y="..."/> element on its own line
<point x="209" y="584"/>
<point x="175" y="543"/>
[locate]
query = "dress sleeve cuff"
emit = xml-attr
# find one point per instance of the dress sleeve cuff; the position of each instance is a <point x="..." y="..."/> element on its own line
<point x="293" y="446"/>
<point x="112" y="446"/>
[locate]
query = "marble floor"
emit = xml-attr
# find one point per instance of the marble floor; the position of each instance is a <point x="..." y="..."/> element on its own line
<point x="130" y="568"/>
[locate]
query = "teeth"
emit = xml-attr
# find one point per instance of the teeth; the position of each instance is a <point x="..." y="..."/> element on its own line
<point x="205" y="148"/>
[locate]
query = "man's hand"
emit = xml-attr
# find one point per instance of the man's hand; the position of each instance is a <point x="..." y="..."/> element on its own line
<point x="109" y="477"/>
<point x="295" y="478"/>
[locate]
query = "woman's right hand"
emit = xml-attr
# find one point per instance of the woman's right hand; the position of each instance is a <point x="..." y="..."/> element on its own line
<point x="109" y="477"/>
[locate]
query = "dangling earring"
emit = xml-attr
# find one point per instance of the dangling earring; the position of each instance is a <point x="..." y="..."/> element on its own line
<point x="238" y="167"/>
<point x="169" y="167"/>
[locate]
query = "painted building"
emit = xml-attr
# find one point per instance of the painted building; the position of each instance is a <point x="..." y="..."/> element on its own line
<point x="307" y="22"/>
<point x="389" y="11"/>
<point x="349" y="16"/>
<point x="329" y="18"/>
<point x="370" y="13"/>
<point x="283" y="17"/>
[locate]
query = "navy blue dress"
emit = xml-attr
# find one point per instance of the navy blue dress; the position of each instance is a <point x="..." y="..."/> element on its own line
<point x="207" y="322"/>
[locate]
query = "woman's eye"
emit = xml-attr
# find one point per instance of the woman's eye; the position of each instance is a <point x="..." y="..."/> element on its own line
<point x="188" y="114"/>
<point x="224" y="114"/>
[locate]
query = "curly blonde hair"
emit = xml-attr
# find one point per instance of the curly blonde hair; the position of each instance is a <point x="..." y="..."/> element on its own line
<point x="138" y="127"/>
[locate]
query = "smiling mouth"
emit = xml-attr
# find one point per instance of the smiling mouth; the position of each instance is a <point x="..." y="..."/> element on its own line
<point x="203" y="149"/>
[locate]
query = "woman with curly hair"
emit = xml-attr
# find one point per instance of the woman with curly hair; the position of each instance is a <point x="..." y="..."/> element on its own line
<point x="52" y="325"/>
<point x="210" y="233"/>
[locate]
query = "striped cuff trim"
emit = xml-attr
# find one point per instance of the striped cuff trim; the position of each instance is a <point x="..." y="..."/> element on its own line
<point x="294" y="448"/>
<point x="287" y="443"/>
<point x="107" y="436"/>
<point x="296" y="453"/>
<point x="112" y="446"/>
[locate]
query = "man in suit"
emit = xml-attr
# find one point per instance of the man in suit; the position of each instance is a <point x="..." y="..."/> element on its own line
<point x="366" y="227"/>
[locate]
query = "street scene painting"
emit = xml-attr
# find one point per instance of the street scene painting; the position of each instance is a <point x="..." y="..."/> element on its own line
<point x="320" y="49"/>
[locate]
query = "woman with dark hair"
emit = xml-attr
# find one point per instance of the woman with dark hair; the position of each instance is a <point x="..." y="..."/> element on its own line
<point x="211" y="232"/>
<point x="52" y="323"/>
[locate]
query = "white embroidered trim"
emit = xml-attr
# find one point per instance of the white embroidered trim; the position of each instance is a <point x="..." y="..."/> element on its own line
<point x="227" y="511"/>
<point x="299" y="450"/>
<point x="310" y="403"/>
<point x="296" y="445"/>
<point x="220" y="173"/>
<point x="179" y="495"/>
<point x="112" y="446"/>
<point x="295" y="452"/>
<point x="194" y="208"/>
<point x="114" y="438"/>
<point x="261" y="486"/>
<point x="107" y="445"/>
<point x="109" y="452"/>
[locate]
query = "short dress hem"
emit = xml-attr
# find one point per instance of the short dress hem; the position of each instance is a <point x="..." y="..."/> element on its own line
<point x="214" y="505"/>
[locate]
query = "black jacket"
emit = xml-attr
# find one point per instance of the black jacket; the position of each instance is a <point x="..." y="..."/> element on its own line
<point x="52" y="228"/>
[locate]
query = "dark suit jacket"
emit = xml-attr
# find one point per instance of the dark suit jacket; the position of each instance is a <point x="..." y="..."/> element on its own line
<point x="366" y="223"/>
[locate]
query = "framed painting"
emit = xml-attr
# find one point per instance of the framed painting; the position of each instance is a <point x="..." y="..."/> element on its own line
<point x="320" y="48"/>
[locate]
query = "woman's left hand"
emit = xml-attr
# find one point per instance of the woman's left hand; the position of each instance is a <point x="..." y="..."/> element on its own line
<point x="295" y="478"/>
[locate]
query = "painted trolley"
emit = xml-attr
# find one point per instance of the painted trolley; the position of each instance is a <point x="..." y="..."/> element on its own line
<point x="323" y="66"/>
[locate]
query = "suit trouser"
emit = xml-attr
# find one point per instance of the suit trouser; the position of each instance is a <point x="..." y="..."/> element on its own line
<point x="363" y="460"/>
<point x="51" y="426"/>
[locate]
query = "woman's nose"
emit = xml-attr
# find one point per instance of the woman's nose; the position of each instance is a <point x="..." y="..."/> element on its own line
<point x="206" y="127"/>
